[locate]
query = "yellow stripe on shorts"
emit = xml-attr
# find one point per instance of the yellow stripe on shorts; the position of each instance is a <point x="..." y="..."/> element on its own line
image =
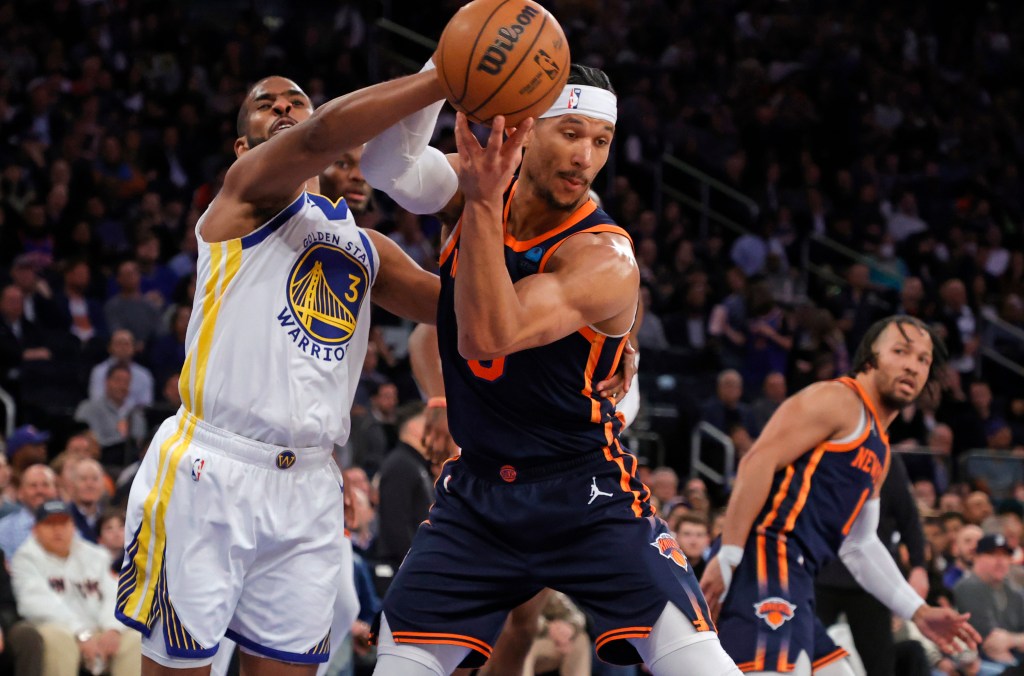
<point x="152" y="534"/>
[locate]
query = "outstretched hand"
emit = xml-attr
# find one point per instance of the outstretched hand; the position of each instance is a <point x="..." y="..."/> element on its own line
<point x="485" y="172"/>
<point x="943" y="625"/>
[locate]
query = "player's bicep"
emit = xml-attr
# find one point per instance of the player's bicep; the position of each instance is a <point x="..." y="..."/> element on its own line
<point x="588" y="291"/>
<point x="814" y="415"/>
<point x="402" y="287"/>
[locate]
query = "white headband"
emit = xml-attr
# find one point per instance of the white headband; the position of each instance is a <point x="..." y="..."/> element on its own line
<point x="585" y="100"/>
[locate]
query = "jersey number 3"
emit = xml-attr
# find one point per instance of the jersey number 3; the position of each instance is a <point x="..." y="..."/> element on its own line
<point x="491" y="369"/>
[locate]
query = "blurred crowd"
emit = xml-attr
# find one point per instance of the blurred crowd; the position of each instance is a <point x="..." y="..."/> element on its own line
<point x="879" y="146"/>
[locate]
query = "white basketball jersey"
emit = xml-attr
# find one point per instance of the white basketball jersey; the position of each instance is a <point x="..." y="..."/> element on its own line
<point x="279" y="326"/>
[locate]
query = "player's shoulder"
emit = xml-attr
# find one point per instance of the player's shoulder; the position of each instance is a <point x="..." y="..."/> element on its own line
<point x="828" y="398"/>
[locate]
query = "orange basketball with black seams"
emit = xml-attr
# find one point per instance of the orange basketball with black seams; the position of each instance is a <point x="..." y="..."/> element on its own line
<point x="502" y="57"/>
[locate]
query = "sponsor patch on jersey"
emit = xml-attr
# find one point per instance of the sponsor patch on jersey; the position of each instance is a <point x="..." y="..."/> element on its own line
<point x="774" y="611"/>
<point x="669" y="548"/>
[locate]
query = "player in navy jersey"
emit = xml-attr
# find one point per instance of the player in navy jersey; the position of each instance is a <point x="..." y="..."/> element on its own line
<point x="806" y="493"/>
<point x="539" y="290"/>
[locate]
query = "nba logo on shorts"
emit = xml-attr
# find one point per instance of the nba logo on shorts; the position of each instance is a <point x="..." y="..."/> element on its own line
<point x="285" y="459"/>
<point x="574" y="97"/>
<point x="774" y="611"/>
<point x="197" y="468"/>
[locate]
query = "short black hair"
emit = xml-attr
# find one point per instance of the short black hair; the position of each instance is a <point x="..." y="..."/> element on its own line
<point x="407" y="412"/>
<point x="866" y="358"/>
<point x="585" y="75"/>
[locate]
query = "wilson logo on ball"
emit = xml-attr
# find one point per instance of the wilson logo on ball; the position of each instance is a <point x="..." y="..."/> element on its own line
<point x="494" y="58"/>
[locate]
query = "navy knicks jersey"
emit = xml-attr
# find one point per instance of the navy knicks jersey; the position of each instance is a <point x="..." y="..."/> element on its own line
<point x="538" y="405"/>
<point x="815" y="500"/>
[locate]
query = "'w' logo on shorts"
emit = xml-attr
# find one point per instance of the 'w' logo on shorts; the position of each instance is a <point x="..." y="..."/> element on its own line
<point x="285" y="459"/>
<point x="774" y="611"/>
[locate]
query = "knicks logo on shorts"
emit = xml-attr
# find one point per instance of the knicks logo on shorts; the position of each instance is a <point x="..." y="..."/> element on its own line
<point x="774" y="611"/>
<point x="669" y="548"/>
<point x="326" y="288"/>
<point x="285" y="459"/>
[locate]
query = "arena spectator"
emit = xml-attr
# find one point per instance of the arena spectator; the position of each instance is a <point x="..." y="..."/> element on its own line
<point x="964" y="547"/>
<point x="122" y="350"/>
<point x="87" y="497"/>
<point x="36" y="485"/>
<point x="129" y="309"/>
<point x="115" y="425"/>
<point x="8" y="495"/>
<point x="79" y="312"/>
<point x="111" y="530"/>
<point x="692" y="535"/>
<point x="405" y="486"/>
<point x="997" y="610"/>
<point x="26" y="446"/>
<point x="21" y="341"/>
<point x="63" y="585"/>
<point x="773" y="393"/>
<point x="21" y="646"/>
<point x="727" y="408"/>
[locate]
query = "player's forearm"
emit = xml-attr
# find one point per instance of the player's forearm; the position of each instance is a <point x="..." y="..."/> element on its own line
<point x="485" y="299"/>
<point x="280" y="166"/>
<point x="426" y="360"/>
<point x="753" y="484"/>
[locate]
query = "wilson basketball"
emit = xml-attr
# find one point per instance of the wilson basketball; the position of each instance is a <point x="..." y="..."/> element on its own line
<point x="502" y="57"/>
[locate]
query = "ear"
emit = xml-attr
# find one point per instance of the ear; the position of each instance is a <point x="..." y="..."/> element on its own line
<point x="241" y="146"/>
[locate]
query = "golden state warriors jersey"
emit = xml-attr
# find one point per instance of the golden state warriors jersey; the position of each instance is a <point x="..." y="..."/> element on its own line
<point x="816" y="499"/>
<point x="279" y="326"/>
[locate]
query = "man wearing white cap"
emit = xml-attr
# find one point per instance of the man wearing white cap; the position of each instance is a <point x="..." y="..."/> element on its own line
<point x="539" y="291"/>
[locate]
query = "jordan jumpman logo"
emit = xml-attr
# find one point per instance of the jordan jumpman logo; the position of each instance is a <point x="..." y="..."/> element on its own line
<point x="595" y="492"/>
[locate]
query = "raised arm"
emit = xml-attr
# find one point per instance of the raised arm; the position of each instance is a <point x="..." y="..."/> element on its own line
<point x="283" y="145"/>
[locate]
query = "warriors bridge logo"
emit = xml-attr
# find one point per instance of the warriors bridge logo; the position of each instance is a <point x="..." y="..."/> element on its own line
<point x="326" y="288"/>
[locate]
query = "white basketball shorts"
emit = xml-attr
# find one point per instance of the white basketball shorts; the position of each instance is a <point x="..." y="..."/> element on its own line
<point x="229" y="536"/>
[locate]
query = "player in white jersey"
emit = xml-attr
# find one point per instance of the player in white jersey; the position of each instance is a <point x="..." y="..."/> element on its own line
<point x="235" y="515"/>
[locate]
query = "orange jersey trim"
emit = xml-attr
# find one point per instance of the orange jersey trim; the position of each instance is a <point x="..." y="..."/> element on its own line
<point x="834" y="656"/>
<point x="516" y="245"/>
<point x="852" y="382"/>
<point x="856" y="511"/>
<point x="596" y="345"/>
<point x="453" y="239"/>
<point x="780" y="495"/>
<point x="805" y="489"/>
<point x="620" y="634"/>
<point x="442" y="639"/>
<point x="603" y="227"/>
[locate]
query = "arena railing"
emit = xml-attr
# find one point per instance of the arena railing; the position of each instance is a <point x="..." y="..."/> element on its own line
<point x="997" y="471"/>
<point x="708" y="188"/>
<point x="10" y="412"/>
<point x="698" y="466"/>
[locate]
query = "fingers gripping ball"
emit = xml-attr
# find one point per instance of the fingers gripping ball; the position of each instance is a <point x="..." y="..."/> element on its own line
<point x="502" y="57"/>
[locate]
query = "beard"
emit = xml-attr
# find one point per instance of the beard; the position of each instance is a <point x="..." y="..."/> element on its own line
<point x="254" y="141"/>
<point x="895" y="401"/>
<point x="546" y="194"/>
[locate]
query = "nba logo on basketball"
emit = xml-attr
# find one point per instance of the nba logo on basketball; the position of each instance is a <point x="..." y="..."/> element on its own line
<point x="774" y="611"/>
<point x="574" y="98"/>
<point x="669" y="548"/>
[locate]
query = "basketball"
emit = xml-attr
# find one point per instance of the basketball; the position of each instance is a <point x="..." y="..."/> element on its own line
<point x="502" y="57"/>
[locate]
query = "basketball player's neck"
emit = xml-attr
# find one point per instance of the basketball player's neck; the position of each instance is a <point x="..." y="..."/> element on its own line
<point x="532" y="214"/>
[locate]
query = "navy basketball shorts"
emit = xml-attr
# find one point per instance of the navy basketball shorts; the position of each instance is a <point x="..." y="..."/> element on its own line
<point x="768" y="617"/>
<point x="495" y="536"/>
